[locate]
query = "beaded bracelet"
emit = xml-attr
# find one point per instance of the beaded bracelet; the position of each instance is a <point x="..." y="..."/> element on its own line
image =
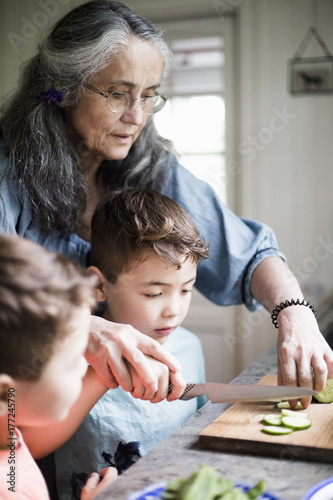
<point x="288" y="303"/>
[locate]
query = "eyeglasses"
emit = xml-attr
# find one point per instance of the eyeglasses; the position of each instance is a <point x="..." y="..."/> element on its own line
<point x="122" y="101"/>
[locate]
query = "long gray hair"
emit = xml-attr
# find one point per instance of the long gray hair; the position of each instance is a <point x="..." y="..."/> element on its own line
<point x="43" y="158"/>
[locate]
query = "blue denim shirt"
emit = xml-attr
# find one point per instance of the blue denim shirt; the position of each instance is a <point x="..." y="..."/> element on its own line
<point x="237" y="245"/>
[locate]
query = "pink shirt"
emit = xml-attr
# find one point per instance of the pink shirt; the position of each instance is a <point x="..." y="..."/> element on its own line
<point x="20" y="477"/>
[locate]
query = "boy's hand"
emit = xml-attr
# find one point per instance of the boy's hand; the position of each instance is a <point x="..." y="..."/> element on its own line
<point x="94" y="487"/>
<point x="112" y="347"/>
<point x="164" y="376"/>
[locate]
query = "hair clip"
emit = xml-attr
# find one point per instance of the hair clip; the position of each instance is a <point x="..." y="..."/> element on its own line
<point x="53" y="96"/>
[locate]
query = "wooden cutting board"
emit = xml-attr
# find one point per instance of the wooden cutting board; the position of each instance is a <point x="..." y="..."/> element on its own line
<point x="239" y="430"/>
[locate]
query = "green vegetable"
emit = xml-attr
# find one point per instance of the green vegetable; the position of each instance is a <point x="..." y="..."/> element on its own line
<point x="234" y="494"/>
<point x="326" y="395"/>
<point x="169" y="495"/>
<point x="297" y="423"/>
<point x="201" y="484"/>
<point x="286" y="422"/>
<point x="256" y="490"/>
<point x="277" y="429"/>
<point x="175" y="484"/>
<point x="290" y="413"/>
<point x="222" y="486"/>
<point x="285" y="404"/>
<point x="272" y="419"/>
<point x="205" y="484"/>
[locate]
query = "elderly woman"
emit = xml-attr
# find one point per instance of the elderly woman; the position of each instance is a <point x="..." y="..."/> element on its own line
<point x="81" y="123"/>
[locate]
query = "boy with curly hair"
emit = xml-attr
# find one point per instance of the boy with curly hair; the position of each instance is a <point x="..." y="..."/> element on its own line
<point x="145" y="250"/>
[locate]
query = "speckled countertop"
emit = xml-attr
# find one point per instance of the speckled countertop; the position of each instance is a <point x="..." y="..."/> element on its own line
<point x="179" y="455"/>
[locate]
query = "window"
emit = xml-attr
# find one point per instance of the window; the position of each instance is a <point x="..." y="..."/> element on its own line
<point x="194" y="116"/>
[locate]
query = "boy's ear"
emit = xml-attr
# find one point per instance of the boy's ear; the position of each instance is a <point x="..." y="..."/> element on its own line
<point x="100" y="284"/>
<point x="6" y="382"/>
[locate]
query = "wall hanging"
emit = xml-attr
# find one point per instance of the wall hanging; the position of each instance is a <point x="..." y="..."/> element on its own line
<point x="311" y="75"/>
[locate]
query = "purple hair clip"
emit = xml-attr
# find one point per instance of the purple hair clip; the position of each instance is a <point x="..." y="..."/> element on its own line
<point x="53" y="96"/>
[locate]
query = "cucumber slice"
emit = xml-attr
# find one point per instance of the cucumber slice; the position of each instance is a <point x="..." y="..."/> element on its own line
<point x="285" y="404"/>
<point x="326" y="395"/>
<point x="272" y="419"/>
<point x="277" y="429"/>
<point x="297" y="423"/>
<point x="290" y="413"/>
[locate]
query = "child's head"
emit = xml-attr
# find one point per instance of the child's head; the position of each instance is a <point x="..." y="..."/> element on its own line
<point x="45" y="304"/>
<point x="145" y="250"/>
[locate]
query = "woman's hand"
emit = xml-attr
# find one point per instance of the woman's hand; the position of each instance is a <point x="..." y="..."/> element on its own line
<point x="94" y="486"/>
<point x="304" y="357"/>
<point x="164" y="376"/>
<point x="113" y="346"/>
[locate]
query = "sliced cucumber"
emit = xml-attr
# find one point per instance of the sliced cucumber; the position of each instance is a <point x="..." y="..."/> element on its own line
<point x="297" y="423"/>
<point x="272" y="419"/>
<point x="326" y="395"/>
<point x="285" y="404"/>
<point x="277" y="429"/>
<point x="291" y="413"/>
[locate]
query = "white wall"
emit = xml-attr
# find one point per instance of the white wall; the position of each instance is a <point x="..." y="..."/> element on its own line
<point x="287" y="184"/>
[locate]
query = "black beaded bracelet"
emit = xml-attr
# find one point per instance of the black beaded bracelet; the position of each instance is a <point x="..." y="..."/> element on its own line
<point x="288" y="303"/>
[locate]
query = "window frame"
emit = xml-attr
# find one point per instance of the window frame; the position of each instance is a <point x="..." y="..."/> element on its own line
<point x="222" y="26"/>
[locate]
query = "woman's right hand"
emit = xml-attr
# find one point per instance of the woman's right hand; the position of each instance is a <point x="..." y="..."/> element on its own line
<point x="112" y="347"/>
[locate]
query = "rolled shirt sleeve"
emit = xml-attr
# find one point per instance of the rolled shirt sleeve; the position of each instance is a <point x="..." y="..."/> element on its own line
<point x="237" y="245"/>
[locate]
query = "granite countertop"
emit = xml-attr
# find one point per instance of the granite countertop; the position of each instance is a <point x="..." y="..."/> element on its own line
<point x="179" y="455"/>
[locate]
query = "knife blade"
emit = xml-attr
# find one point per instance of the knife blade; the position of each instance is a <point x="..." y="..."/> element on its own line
<point x="229" y="393"/>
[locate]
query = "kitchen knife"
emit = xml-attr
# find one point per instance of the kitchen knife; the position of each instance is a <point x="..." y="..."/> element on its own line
<point x="229" y="393"/>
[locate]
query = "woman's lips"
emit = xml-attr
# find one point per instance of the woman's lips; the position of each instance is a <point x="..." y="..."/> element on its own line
<point x="163" y="332"/>
<point x="122" y="139"/>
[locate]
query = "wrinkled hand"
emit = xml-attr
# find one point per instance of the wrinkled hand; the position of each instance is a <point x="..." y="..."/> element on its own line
<point x="113" y="346"/>
<point x="164" y="376"/>
<point x="304" y="357"/>
<point x="94" y="487"/>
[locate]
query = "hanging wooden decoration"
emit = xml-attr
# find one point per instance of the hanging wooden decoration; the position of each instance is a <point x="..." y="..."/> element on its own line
<point x="311" y="75"/>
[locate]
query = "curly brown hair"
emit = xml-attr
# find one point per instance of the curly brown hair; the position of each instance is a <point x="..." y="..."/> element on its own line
<point x="126" y="222"/>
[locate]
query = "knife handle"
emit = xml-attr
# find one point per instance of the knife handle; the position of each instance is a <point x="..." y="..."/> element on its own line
<point x="188" y="387"/>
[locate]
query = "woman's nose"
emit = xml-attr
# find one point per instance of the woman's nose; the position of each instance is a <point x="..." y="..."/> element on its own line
<point x="134" y="114"/>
